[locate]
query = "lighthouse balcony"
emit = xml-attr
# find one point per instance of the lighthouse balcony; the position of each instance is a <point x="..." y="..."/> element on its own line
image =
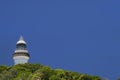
<point x="21" y="54"/>
<point x="17" y="51"/>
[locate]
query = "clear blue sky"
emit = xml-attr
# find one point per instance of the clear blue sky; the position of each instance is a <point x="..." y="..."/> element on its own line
<point x="77" y="35"/>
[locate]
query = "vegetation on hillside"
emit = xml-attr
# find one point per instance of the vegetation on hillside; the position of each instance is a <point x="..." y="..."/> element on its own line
<point x="40" y="72"/>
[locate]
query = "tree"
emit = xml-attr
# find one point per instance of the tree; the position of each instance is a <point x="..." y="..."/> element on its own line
<point x="40" y="72"/>
<point x="3" y="68"/>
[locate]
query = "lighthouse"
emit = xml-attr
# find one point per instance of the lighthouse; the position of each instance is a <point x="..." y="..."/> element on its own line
<point x="21" y="54"/>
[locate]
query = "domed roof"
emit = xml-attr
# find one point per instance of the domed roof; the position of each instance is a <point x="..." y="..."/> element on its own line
<point x="21" y="41"/>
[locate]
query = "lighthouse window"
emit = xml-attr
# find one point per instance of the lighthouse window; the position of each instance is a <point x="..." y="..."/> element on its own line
<point x="21" y="47"/>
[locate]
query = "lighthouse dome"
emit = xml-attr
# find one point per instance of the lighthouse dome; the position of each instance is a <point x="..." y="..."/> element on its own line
<point x="21" y="41"/>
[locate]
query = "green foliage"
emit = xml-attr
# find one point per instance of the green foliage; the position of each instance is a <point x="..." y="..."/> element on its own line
<point x="3" y="68"/>
<point x="118" y="78"/>
<point x="40" y="72"/>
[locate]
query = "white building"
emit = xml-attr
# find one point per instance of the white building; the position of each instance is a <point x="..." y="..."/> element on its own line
<point x="21" y="54"/>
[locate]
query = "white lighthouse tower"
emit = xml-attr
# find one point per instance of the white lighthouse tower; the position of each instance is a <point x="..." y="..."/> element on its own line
<point x="21" y="54"/>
